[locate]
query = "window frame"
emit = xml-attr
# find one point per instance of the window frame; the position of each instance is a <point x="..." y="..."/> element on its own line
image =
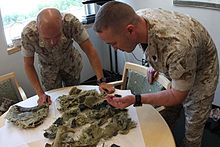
<point x="210" y="4"/>
<point x="15" y="45"/>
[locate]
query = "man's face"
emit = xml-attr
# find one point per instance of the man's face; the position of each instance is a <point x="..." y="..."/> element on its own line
<point x="122" y="40"/>
<point x="51" y="39"/>
<point x="51" y="36"/>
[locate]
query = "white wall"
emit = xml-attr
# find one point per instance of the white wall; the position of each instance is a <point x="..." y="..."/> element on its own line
<point x="14" y="62"/>
<point x="209" y="18"/>
<point x="87" y="71"/>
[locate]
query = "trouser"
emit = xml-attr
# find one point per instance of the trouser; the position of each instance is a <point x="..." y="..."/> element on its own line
<point x="196" y="115"/>
<point x="63" y="79"/>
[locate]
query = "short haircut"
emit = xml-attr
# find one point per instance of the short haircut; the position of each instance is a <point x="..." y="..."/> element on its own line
<point x="53" y="13"/>
<point x="115" y="15"/>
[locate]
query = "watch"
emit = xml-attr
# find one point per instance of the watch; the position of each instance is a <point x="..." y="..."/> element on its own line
<point x="102" y="80"/>
<point x="137" y="100"/>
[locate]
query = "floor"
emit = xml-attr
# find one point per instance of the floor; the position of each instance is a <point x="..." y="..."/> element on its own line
<point x="210" y="138"/>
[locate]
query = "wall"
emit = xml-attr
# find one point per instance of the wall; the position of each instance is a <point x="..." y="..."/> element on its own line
<point x="209" y="18"/>
<point x="14" y="62"/>
<point x="87" y="71"/>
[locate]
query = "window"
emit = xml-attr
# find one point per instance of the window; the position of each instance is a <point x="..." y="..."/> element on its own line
<point x="16" y="14"/>
<point x="212" y="4"/>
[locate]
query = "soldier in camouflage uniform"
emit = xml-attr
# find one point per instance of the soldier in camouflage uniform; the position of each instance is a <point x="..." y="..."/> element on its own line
<point x="51" y="37"/>
<point x="178" y="46"/>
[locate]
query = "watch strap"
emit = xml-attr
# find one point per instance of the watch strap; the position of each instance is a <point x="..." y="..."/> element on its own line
<point x="102" y="80"/>
<point x="137" y="100"/>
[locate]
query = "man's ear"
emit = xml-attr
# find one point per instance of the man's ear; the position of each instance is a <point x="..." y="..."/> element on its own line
<point x="38" y="26"/>
<point x="130" y="28"/>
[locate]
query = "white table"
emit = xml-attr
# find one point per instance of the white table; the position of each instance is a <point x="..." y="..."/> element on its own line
<point x="151" y="130"/>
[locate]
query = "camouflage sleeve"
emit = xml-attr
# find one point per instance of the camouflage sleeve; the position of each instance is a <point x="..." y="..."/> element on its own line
<point x="182" y="68"/>
<point x="73" y="28"/>
<point x="27" y="49"/>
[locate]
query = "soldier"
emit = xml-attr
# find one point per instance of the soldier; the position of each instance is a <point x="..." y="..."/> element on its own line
<point x="178" y="46"/>
<point x="51" y="38"/>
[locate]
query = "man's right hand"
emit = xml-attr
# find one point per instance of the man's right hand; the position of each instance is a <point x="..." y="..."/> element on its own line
<point x="106" y="88"/>
<point x="151" y="75"/>
<point x="44" y="99"/>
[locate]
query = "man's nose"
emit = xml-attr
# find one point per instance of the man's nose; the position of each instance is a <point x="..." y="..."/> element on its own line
<point x="53" y="42"/>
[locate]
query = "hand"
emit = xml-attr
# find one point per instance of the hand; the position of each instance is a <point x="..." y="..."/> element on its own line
<point x="120" y="102"/>
<point x="152" y="75"/>
<point x="43" y="99"/>
<point x="107" y="88"/>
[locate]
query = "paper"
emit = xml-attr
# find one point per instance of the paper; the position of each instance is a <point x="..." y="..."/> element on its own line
<point x="12" y="136"/>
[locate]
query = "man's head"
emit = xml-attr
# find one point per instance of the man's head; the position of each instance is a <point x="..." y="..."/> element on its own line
<point x="49" y="25"/>
<point x="115" y="23"/>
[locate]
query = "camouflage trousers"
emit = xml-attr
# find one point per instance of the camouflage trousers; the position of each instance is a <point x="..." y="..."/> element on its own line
<point x="196" y="115"/>
<point x="63" y="79"/>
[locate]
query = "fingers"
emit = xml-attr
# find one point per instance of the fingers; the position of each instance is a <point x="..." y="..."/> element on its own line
<point x="106" y="88"/>
<point x="40" y="101"/>
<point x="44" y="99"/>
<point x="109" y="99"/>
<point x="152" y="75"/>
<point x="111" y="90"/>
<point x="156" y="74"/>
<point x="116" y="101"/>
<point x="48" y="100"/>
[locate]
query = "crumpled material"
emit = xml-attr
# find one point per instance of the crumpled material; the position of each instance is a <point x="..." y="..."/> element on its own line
<point x="90" y="113"/>
<point x="27" y="117"/>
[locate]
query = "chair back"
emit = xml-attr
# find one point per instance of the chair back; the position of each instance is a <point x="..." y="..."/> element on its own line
<point x="138" y="84"/>
<point x="9" y="92"/>
<point x="135" y="79"/>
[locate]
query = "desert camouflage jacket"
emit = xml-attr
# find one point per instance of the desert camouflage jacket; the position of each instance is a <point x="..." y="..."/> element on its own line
<point x="63" y="56"/>
<point x="180" y="47"/>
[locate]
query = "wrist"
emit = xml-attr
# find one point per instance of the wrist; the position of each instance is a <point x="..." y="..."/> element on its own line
<point x="137" y="101"/>
<point x="40" y="94"/>
<point x="101" y="80"/>
<point x="39" y="91"/>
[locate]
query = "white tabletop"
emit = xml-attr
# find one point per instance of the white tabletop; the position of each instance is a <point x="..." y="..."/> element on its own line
<point x="151" y="130"/>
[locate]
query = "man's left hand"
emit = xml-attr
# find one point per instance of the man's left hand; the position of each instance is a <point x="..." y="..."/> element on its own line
<point x="120" y="102"/>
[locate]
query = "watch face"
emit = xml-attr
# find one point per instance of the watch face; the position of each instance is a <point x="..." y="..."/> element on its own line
<point x="102" y="80"/>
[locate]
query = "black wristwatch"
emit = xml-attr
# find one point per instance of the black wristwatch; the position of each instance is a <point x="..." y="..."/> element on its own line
<point x="102" y="80"/>
<point x="137" y="100"/>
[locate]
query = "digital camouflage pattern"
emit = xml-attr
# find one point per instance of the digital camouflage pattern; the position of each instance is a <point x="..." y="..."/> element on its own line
<point x="27" y="117"/>
<point x="62" y="62"/>
<point x="180" y="47"/>
<point x="89" y="112"/>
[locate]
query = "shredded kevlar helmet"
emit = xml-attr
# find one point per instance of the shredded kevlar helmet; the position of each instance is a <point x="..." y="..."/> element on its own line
<point x="27" y="117"/>
<point x="86" y="120"/>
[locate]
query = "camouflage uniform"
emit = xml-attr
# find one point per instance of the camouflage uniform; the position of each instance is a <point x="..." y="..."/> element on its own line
<point x="180" y="47"/>
<point x="62" y="63"/>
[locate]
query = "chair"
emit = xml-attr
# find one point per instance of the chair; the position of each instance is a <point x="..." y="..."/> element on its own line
<point x="134" y="78"/>
<point x="10" y="92"/>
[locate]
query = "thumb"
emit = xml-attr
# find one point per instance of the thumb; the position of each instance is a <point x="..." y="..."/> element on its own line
<point x="116" y="99"/>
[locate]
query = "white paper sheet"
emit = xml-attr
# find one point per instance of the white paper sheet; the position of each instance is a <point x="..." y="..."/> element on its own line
<point x="12" y="136"/>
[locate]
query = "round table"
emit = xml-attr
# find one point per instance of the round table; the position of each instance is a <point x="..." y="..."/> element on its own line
<point x="151" y="130"/>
